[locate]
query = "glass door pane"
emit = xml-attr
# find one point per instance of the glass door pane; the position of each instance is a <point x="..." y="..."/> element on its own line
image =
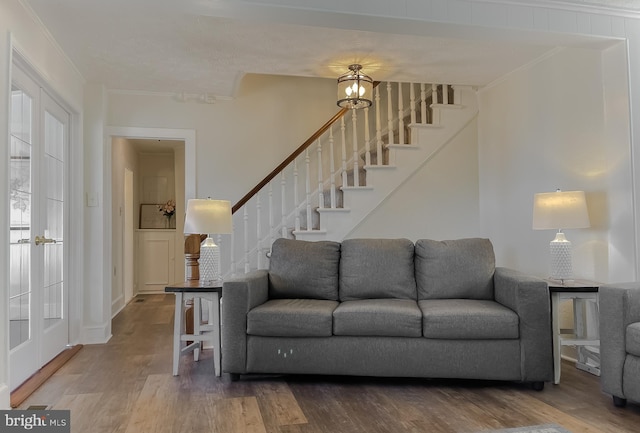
<point x="54" y="138"/>
<point x="20" y="198"/>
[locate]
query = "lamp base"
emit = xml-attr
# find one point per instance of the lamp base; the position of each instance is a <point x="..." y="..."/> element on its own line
<point x="561" y="267"/>
<point x="209" y="261"/>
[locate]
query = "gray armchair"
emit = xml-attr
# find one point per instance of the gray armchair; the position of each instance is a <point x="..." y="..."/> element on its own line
<point x="620" y="341"/>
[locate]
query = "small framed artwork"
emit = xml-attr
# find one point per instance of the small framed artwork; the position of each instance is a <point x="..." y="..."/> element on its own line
<point x="152" y="218"/>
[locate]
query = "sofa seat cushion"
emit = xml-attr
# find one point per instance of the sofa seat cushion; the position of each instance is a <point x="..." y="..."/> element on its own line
<point x="292" y="318"/>
<point x="302" y="269"/>
<point x="378" y="317"/>
<point x="467" y="319"/>
<point x="633" y="339"/>
<point x="377" y="268"/>
<point x="456" y="269"/>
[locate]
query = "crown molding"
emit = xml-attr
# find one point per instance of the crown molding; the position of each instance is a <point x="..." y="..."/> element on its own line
<point x="574" y="6"/>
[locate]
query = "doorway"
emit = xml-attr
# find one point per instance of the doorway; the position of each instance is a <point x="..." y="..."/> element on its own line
<point x="146" y="172"/>
<point x="38" y="298"/>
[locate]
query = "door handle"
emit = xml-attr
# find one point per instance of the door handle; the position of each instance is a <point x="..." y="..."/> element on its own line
<point x="43" y="240"/>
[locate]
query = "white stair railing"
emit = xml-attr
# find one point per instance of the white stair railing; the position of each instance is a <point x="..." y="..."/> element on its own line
<point x="246" y="248"/>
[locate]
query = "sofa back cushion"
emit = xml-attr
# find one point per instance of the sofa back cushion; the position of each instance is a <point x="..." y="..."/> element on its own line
<point x="301" y="269"/>
<point x="377" y="268"/>
<point x="461" y="269"/>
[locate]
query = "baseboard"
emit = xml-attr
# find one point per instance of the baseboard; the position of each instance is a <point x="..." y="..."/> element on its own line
<point x="22" y="392"/>
<point x="117" y="305"/>
<point x="5" y="397"/>
<point x="96" y="334"/>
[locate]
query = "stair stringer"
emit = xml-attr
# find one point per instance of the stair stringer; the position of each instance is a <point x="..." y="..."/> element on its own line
<point x="382" y="181"/>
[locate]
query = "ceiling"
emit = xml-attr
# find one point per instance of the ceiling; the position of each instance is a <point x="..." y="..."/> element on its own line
<point x="205" y="47"/>
<point x="154" y="145"/>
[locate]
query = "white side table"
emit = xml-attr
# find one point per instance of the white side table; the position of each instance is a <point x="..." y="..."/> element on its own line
<point x="207" y="332"/>
<point x="584" y="295"/>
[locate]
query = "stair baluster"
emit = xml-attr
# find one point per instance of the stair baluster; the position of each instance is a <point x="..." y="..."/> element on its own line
<point x="245" y="220"/>
<point x="389" y="115"/>
<point x="283" y="205"/>
<point x="259" y="230"/>
<point x="412" y="103"/>
<point x="271" y="215"/>
<point x="307" y="185"/>
<point x="400" y="115"/>
<point x="232" y="249"/>
<point x="344" y="153"/>
<point x="320" y="177"/>
<point x="367" y="148"/>
<point x="296" y="202"/>
<point x="435" y="112"/>
<point x="456" y="95"/>
<point x="423" y="103"/>
<point x="332" y="170"/>
<point x="378" y="129"/>
<point x="354" y="143"/>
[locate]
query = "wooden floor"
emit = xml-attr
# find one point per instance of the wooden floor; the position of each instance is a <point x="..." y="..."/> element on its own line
<point x="126" y="386"/>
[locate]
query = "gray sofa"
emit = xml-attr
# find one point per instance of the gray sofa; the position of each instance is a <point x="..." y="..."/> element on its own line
<point x="388" y="307"/>
<point x="620" y="341"/>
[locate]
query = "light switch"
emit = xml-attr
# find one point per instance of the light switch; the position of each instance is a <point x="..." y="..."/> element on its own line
<point x="92" y="199"/>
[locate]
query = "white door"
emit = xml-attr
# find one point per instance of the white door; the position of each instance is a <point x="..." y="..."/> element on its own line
<point x="38" y="301"/>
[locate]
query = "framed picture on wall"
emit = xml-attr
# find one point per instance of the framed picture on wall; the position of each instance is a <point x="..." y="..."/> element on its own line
<point x="152" y="218"/>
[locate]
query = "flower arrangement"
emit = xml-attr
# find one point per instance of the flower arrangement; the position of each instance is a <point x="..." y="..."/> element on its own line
<point x="168" y="208"/>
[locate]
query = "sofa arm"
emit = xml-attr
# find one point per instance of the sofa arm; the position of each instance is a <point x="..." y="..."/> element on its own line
<point x="619" y="307"/>
<point x="529" y="298"/>
<point x="239" y="295"/>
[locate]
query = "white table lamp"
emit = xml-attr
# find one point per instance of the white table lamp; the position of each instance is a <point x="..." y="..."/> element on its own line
<point x="560" y="210"/>
<point x="210" y="217"/>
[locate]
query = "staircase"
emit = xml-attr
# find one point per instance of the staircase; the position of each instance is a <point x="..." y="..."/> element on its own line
<point x="347" y="169"/>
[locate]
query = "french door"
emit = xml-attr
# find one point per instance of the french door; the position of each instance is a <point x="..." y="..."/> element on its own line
<point x="38" y="299"/>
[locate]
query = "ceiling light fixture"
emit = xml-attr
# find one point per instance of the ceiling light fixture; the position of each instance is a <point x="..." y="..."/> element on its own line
<point x="355" y="89"/>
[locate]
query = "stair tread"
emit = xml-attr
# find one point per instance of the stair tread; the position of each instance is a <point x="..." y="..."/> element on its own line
<point x="425" y="125"/>
<point x="370" y="167"/>
<point x="355" y="187"/>
<point x="403" y="146"/>
<point x="333" y="209"/>
<point x="305" y="231"/>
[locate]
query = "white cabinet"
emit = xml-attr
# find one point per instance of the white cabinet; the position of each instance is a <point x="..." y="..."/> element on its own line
<point x="155" y="260"/>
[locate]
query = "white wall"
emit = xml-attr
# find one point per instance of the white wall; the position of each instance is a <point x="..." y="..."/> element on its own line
<point x="543" y="128"/>
<point x="238" y="141"/>
<point x="438" y="202"/>
<point x="620" y="219"/>
<point x="97" y="283"/>
<point x="20" y="30"/>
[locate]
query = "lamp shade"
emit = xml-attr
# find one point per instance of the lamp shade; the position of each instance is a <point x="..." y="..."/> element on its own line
<point x="560" y="210"/>
<point x="208" y="216"/>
